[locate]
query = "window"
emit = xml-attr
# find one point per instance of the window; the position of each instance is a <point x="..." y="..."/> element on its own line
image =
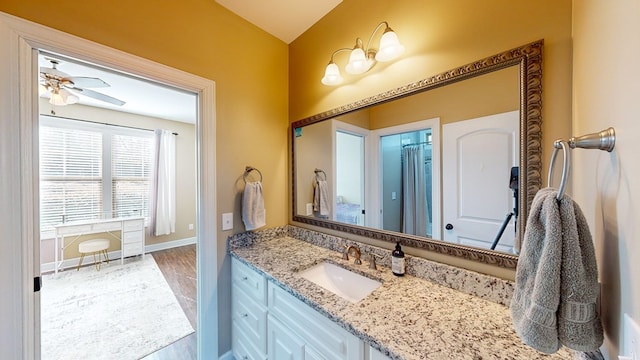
<point x="92" y="171"/>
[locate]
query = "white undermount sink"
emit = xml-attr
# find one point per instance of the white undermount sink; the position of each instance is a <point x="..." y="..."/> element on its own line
<point x="340" y="281"/>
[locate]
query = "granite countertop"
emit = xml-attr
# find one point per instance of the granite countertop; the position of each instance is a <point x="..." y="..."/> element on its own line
<point x="407" y="317"/>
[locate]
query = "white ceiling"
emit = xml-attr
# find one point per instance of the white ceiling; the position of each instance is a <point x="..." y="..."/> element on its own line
<point x="284" y="19"/>
<point x="140" y="96"/>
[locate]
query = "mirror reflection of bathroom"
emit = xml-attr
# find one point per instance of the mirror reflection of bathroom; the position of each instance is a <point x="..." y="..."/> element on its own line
<point x="407" y="171"/>
<point x="350" y="159"/>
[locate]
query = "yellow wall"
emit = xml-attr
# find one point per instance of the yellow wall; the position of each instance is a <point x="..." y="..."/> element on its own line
<point x="438" y="35"/>
<point x="249" y="67"/>
<point x="605" y="93"/>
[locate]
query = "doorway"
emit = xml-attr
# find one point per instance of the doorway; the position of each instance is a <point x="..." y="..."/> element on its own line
<point x="21" y="40"/>
<point x="96" y="170"/>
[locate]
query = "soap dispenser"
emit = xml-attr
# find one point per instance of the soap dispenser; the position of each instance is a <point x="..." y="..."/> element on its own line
<point x="397" y="261"/>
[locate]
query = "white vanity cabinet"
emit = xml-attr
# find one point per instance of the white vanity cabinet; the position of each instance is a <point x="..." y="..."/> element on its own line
<point x="270" y="323"/>
<point x="318" y="335"/>
<point x="248" y="312"/>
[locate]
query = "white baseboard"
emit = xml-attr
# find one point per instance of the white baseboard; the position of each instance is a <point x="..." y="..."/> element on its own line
<point x="227" y="356"/>
<point x="115" y="255"/>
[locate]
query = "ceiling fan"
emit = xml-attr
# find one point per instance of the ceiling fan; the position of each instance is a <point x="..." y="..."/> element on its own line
<point x="64" y="88"/>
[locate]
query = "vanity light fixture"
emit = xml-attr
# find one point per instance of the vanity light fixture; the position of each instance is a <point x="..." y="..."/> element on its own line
<point x="362" y="59"/>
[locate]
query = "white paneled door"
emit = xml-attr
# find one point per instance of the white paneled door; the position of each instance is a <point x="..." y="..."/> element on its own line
<point x="477" y="158"/>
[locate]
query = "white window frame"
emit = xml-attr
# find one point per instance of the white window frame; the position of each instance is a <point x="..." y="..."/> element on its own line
<point x="107" y="131"/>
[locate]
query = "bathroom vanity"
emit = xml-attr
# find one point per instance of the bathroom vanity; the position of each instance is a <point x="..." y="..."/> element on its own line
<point x="278" y="314"/>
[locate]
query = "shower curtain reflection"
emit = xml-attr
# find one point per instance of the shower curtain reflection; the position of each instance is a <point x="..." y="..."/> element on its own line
<point x="415" y="205"/>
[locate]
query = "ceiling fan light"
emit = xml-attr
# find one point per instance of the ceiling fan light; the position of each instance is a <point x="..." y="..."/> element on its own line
<point x="56" y="99"/>
<point x="332" y="75"/>
<point x="390" y="47"/>
<point x="68" y="97"/>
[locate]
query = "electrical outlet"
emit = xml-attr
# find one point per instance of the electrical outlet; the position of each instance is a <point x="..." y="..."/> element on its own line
<point x="227" y="221"/>
<point x="631" y="342"/>
<point x="190" y="226"/>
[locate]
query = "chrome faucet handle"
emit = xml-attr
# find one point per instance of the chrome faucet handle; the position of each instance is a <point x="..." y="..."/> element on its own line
<point x="372" y="263"/>
<point x="356" y="254"/>
<point x="345" y="253"/>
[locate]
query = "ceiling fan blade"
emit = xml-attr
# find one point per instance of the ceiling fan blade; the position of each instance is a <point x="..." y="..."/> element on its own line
<point x="53" y="72"/>
<point x="98" y="96"/>
<point x="84" y="82"/>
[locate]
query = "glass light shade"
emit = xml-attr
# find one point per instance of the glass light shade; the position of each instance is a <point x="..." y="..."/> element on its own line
<point x="68" y="97"/>
<point x="358" y="62"/>
<point x="332" y="75"/>
<point x="62" y="97"/>
<point x="390" y="47"/>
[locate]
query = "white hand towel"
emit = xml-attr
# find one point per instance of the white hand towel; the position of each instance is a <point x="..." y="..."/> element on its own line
<point x="556" y="280"/>
<point x="253" y="214"/>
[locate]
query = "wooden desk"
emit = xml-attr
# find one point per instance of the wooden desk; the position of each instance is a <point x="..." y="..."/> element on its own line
<point x="131" y="235"/>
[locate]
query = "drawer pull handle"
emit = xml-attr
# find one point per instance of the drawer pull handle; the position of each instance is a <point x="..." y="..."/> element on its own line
<point x="244" y="315"/>
<point x="244" y="278"/>
<point x="245" y="357"/>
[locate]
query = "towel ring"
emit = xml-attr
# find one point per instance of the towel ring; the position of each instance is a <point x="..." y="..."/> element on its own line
<point x="566" y="166"/>
<point x="318" y="171"/>
<point x="249" y="169"/>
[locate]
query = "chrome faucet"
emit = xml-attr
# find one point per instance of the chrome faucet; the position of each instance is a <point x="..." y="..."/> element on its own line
<point x="356" y="254"/>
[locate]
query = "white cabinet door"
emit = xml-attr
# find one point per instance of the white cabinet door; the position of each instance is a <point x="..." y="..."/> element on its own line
<point x="477" y="157"/>
<point x="283" y="344"/>
<point x="376" y="355"/>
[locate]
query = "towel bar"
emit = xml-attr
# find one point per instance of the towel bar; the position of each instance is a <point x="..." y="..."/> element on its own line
<point x="318" y="172"/>
<point x="249" y="169"/>
<point x="603" y="140"/>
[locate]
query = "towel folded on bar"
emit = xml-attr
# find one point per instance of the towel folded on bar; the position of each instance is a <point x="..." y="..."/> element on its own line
<point x="321" y="197"/>
<point x="554" y="300"/>
<point x="253" y="214"/>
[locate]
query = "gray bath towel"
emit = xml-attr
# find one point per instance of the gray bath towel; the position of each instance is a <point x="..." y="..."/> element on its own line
<point x="554" y="301"/>
<point x="321" y="197"/>
<point x="253" y="214"/>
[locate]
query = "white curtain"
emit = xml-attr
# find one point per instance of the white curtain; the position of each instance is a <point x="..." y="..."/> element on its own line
<point x="415" y="213"/>
<point x="162" y="212"/>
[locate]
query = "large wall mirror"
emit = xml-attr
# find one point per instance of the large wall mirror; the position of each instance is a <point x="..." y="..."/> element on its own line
<point x="450" y="163"/>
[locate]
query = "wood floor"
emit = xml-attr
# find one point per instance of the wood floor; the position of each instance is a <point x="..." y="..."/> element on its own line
<point x="178" y="265"/>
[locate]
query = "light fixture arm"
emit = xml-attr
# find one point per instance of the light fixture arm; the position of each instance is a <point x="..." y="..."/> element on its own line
<point x="374" y="33"/>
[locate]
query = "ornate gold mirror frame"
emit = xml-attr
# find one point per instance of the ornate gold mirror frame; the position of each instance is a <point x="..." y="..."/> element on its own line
<point x="529" y="59"/>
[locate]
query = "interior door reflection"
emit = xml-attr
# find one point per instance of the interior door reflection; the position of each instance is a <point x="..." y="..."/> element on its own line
<point x="349" y="199"/>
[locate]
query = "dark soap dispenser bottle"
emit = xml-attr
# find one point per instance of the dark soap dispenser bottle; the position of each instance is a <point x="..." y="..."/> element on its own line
<point x="397" y="261"/>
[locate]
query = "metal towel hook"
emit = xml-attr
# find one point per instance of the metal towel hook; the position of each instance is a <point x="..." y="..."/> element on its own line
<point x="318" y="172"/>
<point x="566" y="166"/>
<point x="249" y="169"/>
<point x="603" y="140"/>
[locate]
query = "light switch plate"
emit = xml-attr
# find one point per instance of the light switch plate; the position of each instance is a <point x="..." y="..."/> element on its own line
<point x="631" y="342"/>
<point x="309" y="211"/>
<point x="227" y="221"/>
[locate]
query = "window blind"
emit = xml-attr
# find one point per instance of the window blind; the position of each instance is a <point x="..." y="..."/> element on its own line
<point x="70" y="175"/>
<point x="131" y="160"/>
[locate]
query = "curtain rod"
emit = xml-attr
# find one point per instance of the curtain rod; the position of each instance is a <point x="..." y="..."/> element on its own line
<point x="416" y="144"/>
<point x="102" y="123"/>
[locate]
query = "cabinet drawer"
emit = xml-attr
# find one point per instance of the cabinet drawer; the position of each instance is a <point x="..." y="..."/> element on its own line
<point x="325" y="336"/>
<point x="248" y="280"/>
<point x="241" y="346"/>
<point x="250" y="317"/>
<point x="131" y="225"/>
<point x="132" y="237"/>
<point x="131" y="249"/>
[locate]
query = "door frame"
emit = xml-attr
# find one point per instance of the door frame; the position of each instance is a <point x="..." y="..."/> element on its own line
<point x="375" y="176"/>
<point x="19" y="183"/>
<point x="337" y="125"/>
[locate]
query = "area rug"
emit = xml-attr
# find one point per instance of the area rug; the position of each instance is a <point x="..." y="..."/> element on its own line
<point x="120" y="312"/>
